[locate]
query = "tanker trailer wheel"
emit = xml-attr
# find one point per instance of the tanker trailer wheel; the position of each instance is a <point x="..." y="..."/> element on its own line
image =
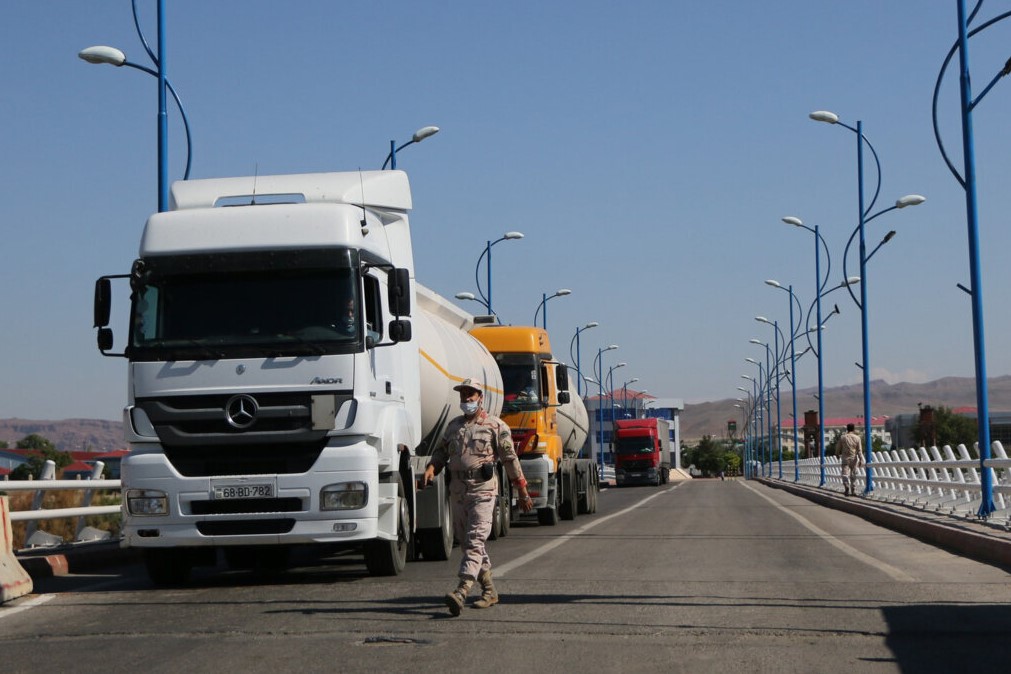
<point x="585" y="475"/>
<point x="548" y="517"/>
<point x="594" y="488"/>
<point x="437" y="544"/>
<point x="568" y="505"/>
<point x="388" y="558"/>
<point x="507" y="514"/>
<point x="168" y="566"/>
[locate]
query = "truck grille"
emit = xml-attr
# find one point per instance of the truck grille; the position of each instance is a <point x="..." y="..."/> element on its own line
<point x="636" y="465"/>
<point x="247" y="505"/>
<point x="201" y="439"/>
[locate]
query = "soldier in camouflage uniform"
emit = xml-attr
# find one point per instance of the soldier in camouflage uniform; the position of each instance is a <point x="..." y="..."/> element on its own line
<point x="471" y="441"/>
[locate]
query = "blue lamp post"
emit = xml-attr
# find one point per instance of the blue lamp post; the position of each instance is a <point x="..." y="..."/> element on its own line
<point x="575" y="339"/>
<point x="912" y="200"/>
<point x="793" y="370"/>
<point x="755" y="426"/>
<point x="486" y="299"/>
<point x="624" y="396"/>
<point x="419" y="135"/>
<point x="776" y="377"/>
<point x="598" y="367"/>
<point x="968" y="182"/>
<point x="610" y="389"/>
<point x="113" y="56"/>
<point x="765" y="408"/>
<point x="561" y="292"/>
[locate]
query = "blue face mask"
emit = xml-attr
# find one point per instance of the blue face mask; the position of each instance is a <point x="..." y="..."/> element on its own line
<point x="470" y="407"/>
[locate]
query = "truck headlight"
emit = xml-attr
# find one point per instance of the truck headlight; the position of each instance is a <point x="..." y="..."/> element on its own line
<point x="344" y="496"/>
<point x="146" y="502"/>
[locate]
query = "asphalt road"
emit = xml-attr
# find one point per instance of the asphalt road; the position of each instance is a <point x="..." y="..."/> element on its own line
<point x="698" y="576"/>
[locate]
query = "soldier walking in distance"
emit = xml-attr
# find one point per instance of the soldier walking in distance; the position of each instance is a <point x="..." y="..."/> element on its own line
<point x="851" y="454"/>
<point x="469" y="449"/>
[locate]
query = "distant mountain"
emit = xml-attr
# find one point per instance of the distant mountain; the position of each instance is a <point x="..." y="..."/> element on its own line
<point x="848" y="401"/>
<point x="69" y="435"/>
<point x="697" y="419"/>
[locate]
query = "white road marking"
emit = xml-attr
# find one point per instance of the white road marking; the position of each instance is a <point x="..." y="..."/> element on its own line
<point x="501" y="570"/>
<point x="24" y="606"/>
<point x="884" y="567"/>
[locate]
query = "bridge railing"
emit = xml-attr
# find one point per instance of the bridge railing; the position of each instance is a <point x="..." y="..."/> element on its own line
<point x="89" y="486"/>
<point x="943" y="480"/>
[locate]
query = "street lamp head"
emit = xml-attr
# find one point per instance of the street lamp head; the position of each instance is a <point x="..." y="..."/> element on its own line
<point x="748" y="377"/>
<point x="591" y="324"/>
<point x="763" y="319"/>
<point x="824" y="116"/>
<point x="424" y="132"/>
<point x="513" y="235"/>
<point x="852" y="280"/>
<point x="791" y="220"/>
<point x="910" y="200"/>
<point x="620" y="365"/>
<point x="773" y="283"/>
<point x="632" y="380"/>
<point x="888" y="237"/>
<point x="752" y="361"/>
<point x="741" y="388"/>
<point x="757" y="341"/>
<point x="590" y="380"/>
<point x="561" y="292"/>
<point x="465" y="296"/>
<point x="612" y="347"/>
<point x="102" y="54"/>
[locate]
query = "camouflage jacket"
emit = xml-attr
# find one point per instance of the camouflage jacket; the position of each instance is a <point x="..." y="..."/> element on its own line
<point x="467" y="444"/>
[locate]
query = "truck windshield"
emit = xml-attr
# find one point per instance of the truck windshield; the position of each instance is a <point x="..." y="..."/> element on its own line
<point x="520" y="382"/>
<point x="185" y="310"/>
<point x="634" y="446"/>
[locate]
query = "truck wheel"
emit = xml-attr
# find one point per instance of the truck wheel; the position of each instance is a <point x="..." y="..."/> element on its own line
<point x="583" y="489"/>
<point x="388" y="558"/>
<point x="437" y="544"/>
<point x="594" y="489"/>
<point x="496" y="520"/>
<point x="548" y="517"/>
<point x="506" y="515"/>
<point x="568" y="505"/>
<point x="168" y="566"/>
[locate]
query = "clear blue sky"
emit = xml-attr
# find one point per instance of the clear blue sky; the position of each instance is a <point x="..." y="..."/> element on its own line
<point x="646" y="149"/>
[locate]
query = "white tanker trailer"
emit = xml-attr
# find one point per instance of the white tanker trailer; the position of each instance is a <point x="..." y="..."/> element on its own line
<point x="284" y="370"/>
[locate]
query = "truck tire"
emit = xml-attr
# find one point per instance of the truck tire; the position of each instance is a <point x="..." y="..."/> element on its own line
<point x="584" y="475"/>
<point x="388" y="558"/>
<point x="507" y="515"/>
<point x="567" y="509"/>
<point x="437" y="544"/>
<point x="168" y="567"/>
<point x="594" y="488"/>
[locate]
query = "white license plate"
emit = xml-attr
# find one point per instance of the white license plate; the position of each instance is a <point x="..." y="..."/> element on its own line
<point x="230" y="491"/>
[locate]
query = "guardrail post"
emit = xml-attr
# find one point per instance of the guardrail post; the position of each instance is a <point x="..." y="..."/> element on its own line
<point x="48" y="473"/>
<point x="89" y="494"/>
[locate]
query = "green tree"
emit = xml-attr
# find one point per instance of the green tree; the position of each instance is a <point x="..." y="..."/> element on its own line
<point x="949" y="429"/>
<point x="35" y="441"/>
<point x="3" y="444"/>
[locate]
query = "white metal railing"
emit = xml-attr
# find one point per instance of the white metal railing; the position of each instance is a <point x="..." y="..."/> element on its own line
<point x="941" y="480"/>
<point x="36" y="538"/>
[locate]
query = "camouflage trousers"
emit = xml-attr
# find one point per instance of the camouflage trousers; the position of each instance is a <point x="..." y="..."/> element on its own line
<point x="472" y="517"/>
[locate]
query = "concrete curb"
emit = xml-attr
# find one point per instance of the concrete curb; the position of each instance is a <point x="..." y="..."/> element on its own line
<point x="968" y="539"/>
<point x="75" y="558"/>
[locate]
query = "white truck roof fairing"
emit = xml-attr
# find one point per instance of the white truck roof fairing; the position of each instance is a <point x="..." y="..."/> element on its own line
<point x="375" y="189"/>
<point x="280" y="226"/>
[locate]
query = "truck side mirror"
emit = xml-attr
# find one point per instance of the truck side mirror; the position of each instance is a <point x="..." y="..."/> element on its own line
<point x="400" y="331"/>
<point x="103" y="302"/>
<point x="105" y="339"/>
<point x="562" y="383"/>
<point x="400" y="292"/>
